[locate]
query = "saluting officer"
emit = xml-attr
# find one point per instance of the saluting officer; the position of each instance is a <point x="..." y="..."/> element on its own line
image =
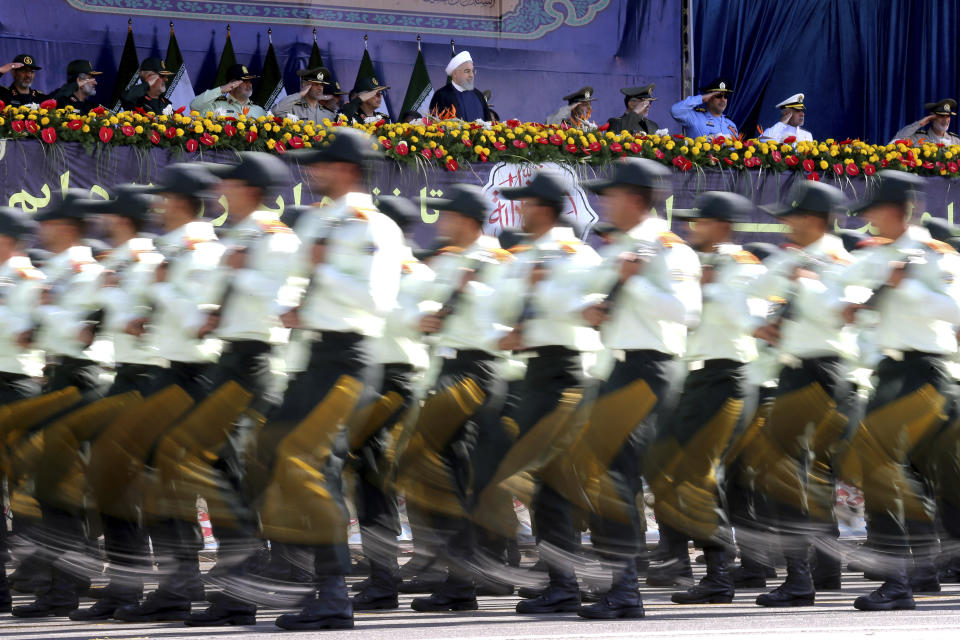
<point x="233" y="98"/>
<point x="638" y="101"/>
<point x="148" y="94"/>
<point x="703" y="115"/>
<point x="21" y="91"/>
<point x="645" y="296"/>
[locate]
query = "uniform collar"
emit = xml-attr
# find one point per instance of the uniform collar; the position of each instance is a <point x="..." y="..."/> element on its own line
<point x="17" y="263"/>
<point x="484" y="243"/>
<point x="77" y="254"/>
<point x="649" y="230"/>
<point x="913" y="235"/>
<point x="728" y="248"/>
<point x="829" y="244"/>
<point x="554" y="236"/>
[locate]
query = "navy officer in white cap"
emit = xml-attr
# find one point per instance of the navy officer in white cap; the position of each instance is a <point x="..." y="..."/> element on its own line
<point x="792" y="113"/>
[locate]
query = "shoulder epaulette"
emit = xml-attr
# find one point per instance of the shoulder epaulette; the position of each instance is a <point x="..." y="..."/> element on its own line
<point x="361" y="213"/>
<point x="669" y="238"/>
<point x="940" y="247"/>
<point x="880" y="240"/>
<point x="745" y="257"/>
<point x="836" y="257"/>
<point x="570" y="246"/>
<point x="501" y="255"/>
<point x="520" y="248"/>
<point x="30" y="273"/>
<point x="273" y="226"/>
<point x="450" y="249"/>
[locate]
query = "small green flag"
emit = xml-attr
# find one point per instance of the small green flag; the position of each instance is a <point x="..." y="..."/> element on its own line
<point x="420" y="89"/>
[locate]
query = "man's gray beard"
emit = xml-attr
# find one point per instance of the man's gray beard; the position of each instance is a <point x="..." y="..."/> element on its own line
<point x="23" y="88"/>
<point x="467" y="86"/>
<point x="90" y="91"/>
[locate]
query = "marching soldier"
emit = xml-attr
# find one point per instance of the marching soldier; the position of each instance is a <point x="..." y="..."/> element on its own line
<point x="437" y="466"/>
<point x="808" y="331"/>
<point x="20" y="288"/>
<point x="646" y="295"/>
<point x="538" y="308"/>
<point x="168" y="321"/>
<point x="350" y="264"/>
<point x="687" y="453"/>
<point x="913" y="283"/>
<point x="63" y="328"/>
<point x="240" y="312"/>
<point x="373" y="434"/>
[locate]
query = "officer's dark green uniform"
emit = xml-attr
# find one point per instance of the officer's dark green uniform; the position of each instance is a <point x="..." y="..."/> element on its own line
<point x="137" y="96"/>
<point x="12" y="95"/>
<point x="632" y="121"/>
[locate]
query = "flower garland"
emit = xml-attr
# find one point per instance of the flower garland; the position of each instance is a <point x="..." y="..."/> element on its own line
<point x="450" y="143"/>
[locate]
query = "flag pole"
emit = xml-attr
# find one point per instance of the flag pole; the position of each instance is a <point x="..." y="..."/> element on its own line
<point x="418" y="43"/>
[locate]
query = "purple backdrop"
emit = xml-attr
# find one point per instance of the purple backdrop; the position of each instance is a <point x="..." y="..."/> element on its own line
<point x="32" y="173"/>
<point x="537" y="52"/>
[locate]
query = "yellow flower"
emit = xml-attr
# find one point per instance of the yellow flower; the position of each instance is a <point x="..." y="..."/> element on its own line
<point x="737" y="145"/>
<point x="268" y="127"/>
<point x="287" y="135"/>
<point x="138" y="129"/>
<point x="734" y="156"/>
<point x="824" y="164"/>
<point x="748" y="154"/>
<point x="413" y="148"/>
<point x="527" y="139"/>
<point x="86" y="128"/>
<point x="271" y="143"/>
<point x="241" y="126"/>
<point x="433" y="144"/>
<point x="44" y="121"/>
<point x="684" y="150"/>
<point x="114" y="120"/>
<point x="32" y="116"/>
<point x="414" y="139"/>
<point x="179" y="132"/>
<point x="706" y="146"/>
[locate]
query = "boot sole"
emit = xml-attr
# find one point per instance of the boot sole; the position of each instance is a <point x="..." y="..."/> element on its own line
<point x="895" y="605"/>
<point x="166" y="616"/>
<point x="720" y="599"/>
<point x="236" y="621"/>
<point x="316" y="626"/>
<point x="787" y="603"/>
<point x="632" y="612"/>
<point x="378" y="605"/>
<point x="459" y="606"/>
<point x="560" y="608"/>
<point x="52" y="613"/>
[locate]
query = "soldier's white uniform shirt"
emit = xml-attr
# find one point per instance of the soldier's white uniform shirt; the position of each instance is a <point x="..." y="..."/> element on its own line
<point x="402" y="342"/>
<point x="134" y="263"/>
<point x="74" y="280"/>
<point x="249" y="311"/>
<point x="20" y="286"/>
<point x="730" y="312"/>
<point x="654" y="308"/>
<point x="923" y="312"/>
<point x="193" y="254"/>
<point x="356" y="286"/>
<point x="815" y="328"/>
<point x="781" y="131"/>
<point x="471" y="324"/>
<point x="555" y="301"/>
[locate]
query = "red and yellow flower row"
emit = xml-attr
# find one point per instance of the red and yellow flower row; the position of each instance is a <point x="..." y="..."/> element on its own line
<point x="452" y="143"/>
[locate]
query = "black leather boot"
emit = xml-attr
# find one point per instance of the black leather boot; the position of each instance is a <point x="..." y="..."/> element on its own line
<point x="827" y="570"/>
<point x="457" y="593"/>
<point x="330" y="609"/>
<point x="716" y="587"/>
<point x="797" y="590"/>
<point x="159" y="606"/>
<point x="893" y="594"/>
<point x="561" y="595"/>
<point x="379" y="592"/>
<point x="622" y="601"/>
<point x="61" y="598"/>
<point x="223" y="611"/>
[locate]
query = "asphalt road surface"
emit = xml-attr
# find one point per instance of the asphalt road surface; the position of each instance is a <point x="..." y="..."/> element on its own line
<point x="833" y="617"/>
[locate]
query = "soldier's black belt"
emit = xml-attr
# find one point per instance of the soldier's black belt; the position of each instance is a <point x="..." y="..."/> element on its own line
<point x="623" y="355"/>
<point x="248" y="347"/>
<point x="714" y="363"/>
<point x="901" y="356"/>
<point x="335" y="337"/>
<point x="551" y="351"/>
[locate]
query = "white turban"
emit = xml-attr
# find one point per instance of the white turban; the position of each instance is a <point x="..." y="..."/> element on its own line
<point x="457" y="60"/>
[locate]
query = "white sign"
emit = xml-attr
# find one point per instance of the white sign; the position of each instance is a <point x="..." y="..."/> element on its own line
<point x="505" y="214"/>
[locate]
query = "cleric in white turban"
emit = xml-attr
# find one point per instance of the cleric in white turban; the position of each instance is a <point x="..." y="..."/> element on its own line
<point x="459" y="98"/>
